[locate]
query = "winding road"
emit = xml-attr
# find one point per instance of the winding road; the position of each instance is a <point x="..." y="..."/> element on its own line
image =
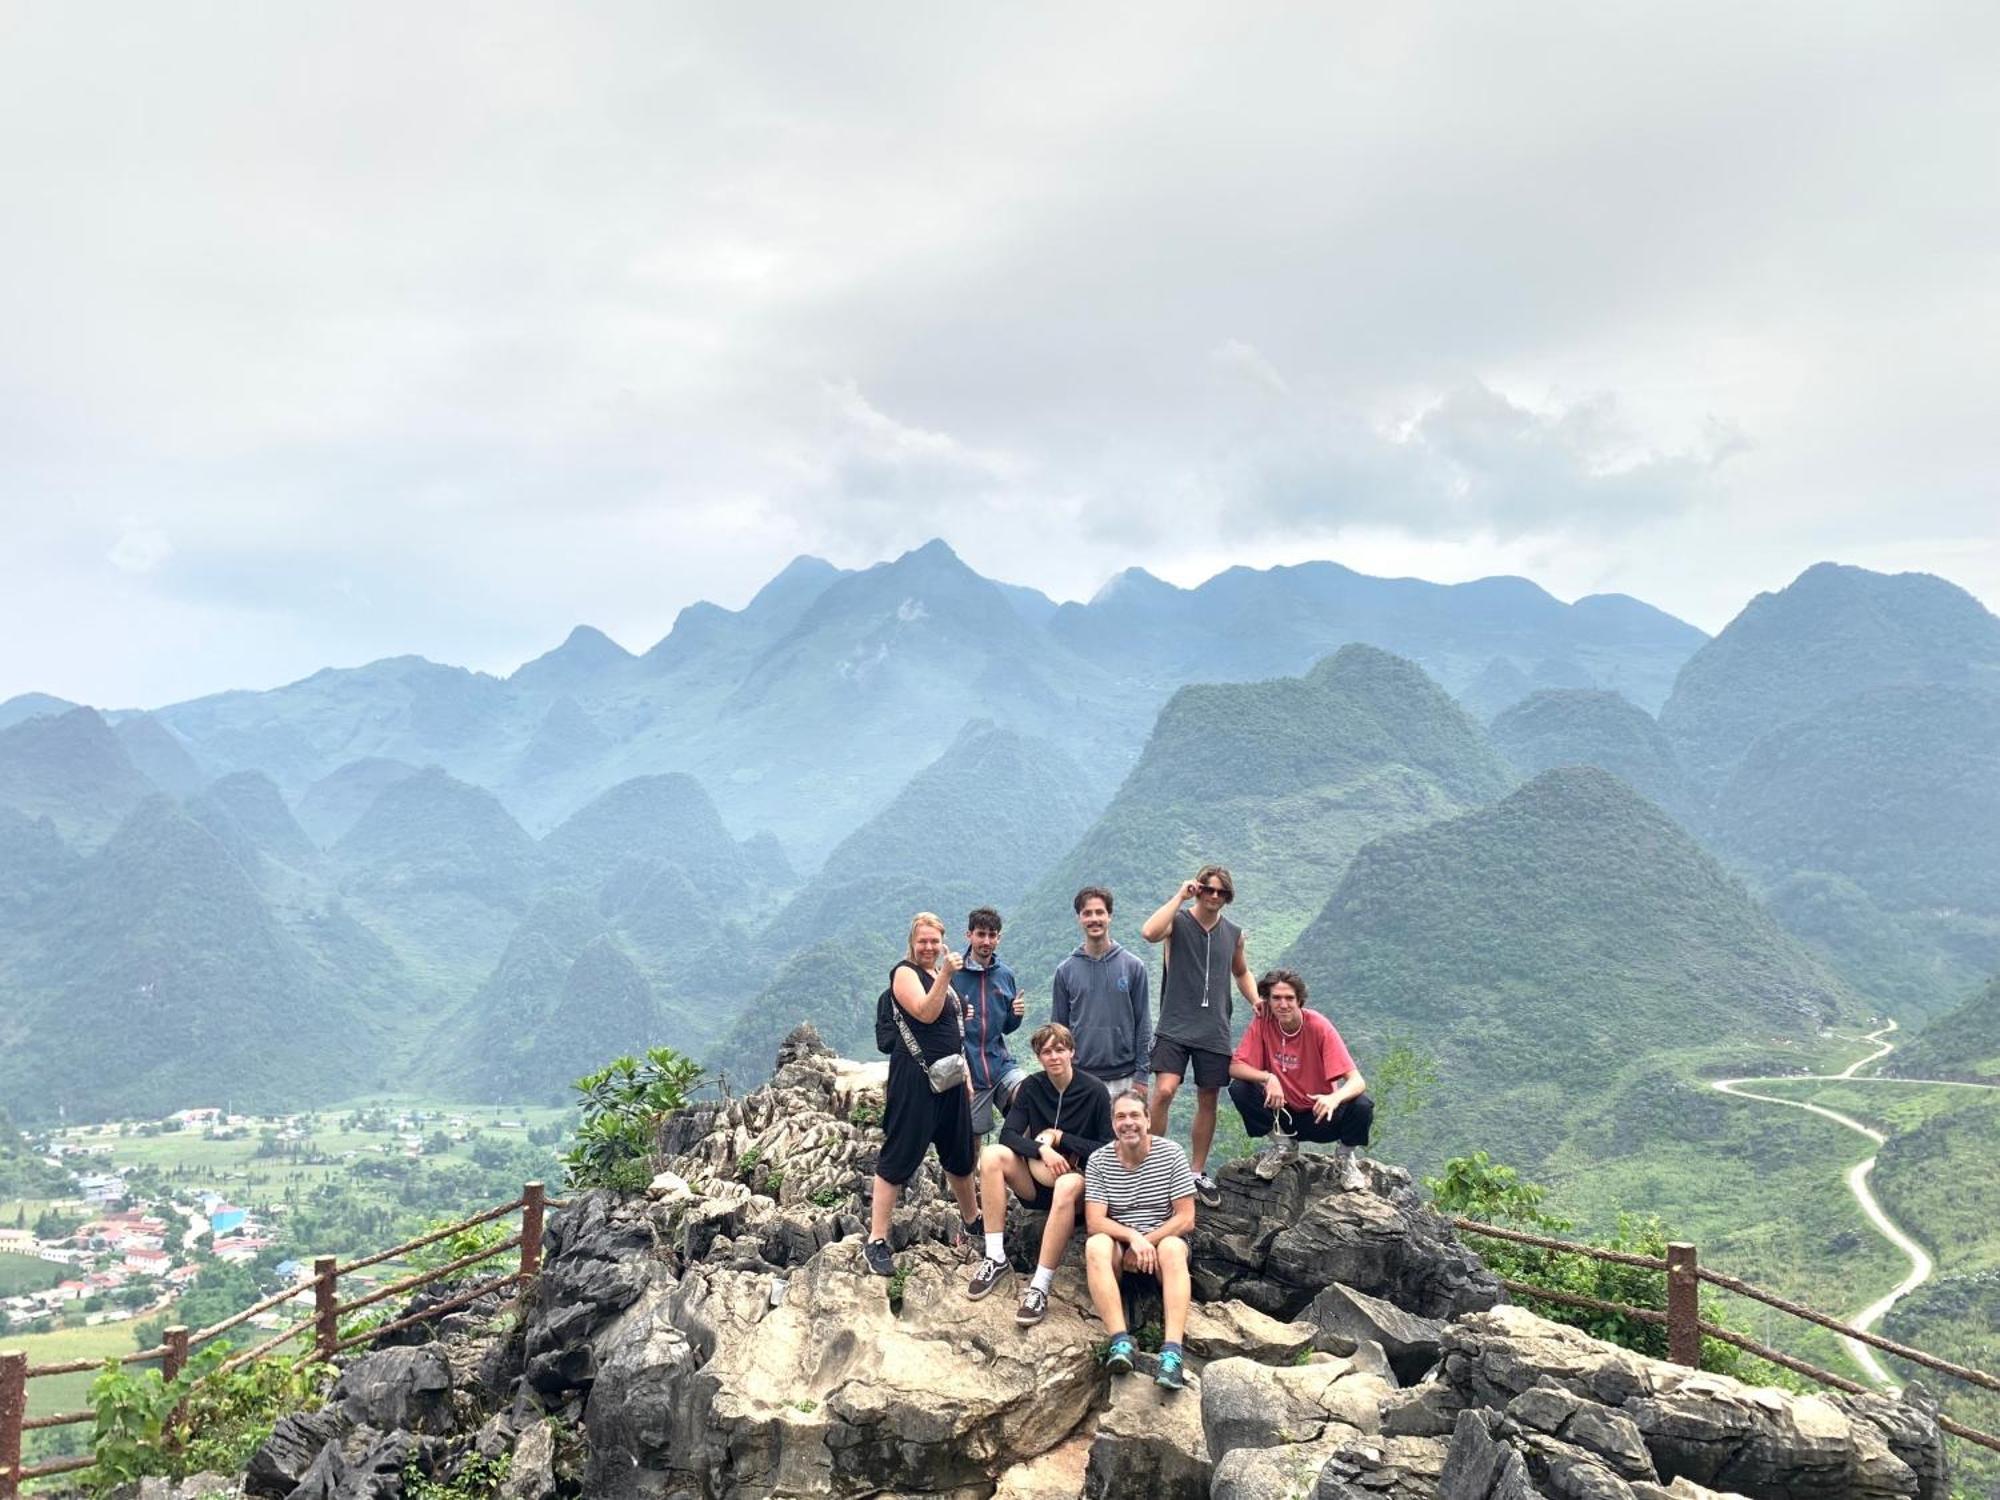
<point x="1857" y="1183"/>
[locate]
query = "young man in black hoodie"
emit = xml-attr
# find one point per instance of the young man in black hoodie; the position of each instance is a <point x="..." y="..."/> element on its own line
<point x="1059" y="1116"/>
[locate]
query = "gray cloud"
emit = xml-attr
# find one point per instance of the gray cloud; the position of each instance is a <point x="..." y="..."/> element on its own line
<point x="342" y="330"/>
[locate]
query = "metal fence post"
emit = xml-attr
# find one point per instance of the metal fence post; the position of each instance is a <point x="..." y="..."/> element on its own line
<point x="532" y="1201"/>
<point x="13" y="1411"/>
<point x="1683" y="1307"/>
<point x="326" y="1306"/>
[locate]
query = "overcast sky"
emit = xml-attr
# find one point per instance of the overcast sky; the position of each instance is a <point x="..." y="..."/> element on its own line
<point x="328" y="333"/>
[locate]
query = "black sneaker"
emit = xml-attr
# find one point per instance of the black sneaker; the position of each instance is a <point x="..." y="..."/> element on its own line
<point x="1207" y="1190"/>
<point x="1034" y="1307"/>
<point x="879" y="1260"/>
<point x="986" y="1276"/>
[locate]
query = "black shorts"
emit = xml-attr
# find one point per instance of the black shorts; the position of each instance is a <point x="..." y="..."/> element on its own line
<point x="1044" y="1197"/>
<point x="915" y="1119"/>
<point x="1211" y="1069"/>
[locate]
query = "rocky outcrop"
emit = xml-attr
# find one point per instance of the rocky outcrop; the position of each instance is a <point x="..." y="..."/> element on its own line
<point x="719" y="1339"/>
<point x="1277" y="1245"/>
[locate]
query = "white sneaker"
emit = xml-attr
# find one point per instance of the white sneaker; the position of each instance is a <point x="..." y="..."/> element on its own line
<point x="1274" y="1158"/>
<point x="1352" y="1178"/>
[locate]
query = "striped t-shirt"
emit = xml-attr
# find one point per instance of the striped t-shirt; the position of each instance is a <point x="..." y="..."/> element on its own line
<point x="1142" y="1199"/>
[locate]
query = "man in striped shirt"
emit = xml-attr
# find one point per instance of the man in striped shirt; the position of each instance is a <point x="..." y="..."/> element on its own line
<point x="1138" y="1204"/>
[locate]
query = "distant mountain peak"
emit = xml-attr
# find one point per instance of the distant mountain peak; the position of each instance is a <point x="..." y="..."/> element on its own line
<point x="1132" y="584"/>
<point x="585" y="651"/>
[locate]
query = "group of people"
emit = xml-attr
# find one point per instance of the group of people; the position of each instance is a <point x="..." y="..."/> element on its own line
<point x="1090" y="1127"/>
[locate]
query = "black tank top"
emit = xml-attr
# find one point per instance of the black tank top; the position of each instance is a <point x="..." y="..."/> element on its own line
<point x="938" y="1038"/>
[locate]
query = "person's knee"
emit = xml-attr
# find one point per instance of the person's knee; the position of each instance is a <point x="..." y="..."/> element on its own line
<point x="1068" y="1188"/>
<point x="1099" y="1249"/>
<point x="1173" y="1251"/>
<point x="1165" y="1086"/>
<point x="995" y="1158"/>
<point x="1361" y="1116"/>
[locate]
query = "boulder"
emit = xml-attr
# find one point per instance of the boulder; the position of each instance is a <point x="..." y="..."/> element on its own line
<point x="1236" y="1330"/>
<point x="1054" y="1475"/>
<point x="705" y="1384"/>
<point x="364" y="1465"/>
<point x="194" y="1487"/>
<point x="1282" y="1473"/>
<point x="1149" y="1442"/>
<point x="282" y="1459"/>
<point x="397" y="1390"/>
<point x="1277" y="1245"/>
<point x="600" y="1253"/>
<point x="1248" y="1405"/>
<point x="1342" y="1314"/>
<point x="1384" y="1468"/>
<point x="532" y="1473"/>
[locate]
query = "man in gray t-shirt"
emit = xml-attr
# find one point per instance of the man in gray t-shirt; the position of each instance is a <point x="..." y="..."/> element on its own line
<point x="1138" y="1204"/>
<point x="1204" y="955"/>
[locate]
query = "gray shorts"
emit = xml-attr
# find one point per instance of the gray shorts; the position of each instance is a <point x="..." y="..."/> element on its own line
<point x="1001" y="1094"/>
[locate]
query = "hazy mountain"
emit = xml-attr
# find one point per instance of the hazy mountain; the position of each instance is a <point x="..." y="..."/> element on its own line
<point x="335" y="803"/>
<point x="1499" y="686"/>
<point x="659" y="820"/>
<point x="1282" y="781"/>
<point x="587" y="656"/>
<point x="1550" y="951"/>
<point x="34" y="862"/>
<point x="1581" y="727"/>
<point x="1962" y="1044"/>
<point x="493" y="1042"/>
<point x="159" y="755"/>
<point x="71" y="769"/>
<point x="253" y="801"/>
<point x="164" y="956"/>
<point x="1248" y="623"/>
<point x="24" y="706"/>
<point x="441" y="870"/>
<point x="975" y="827"/>
<point x="1834" y="632"/>
<point x="567" y="740"/>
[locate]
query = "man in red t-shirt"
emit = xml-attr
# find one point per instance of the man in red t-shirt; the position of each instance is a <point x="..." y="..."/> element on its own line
<point x="1292" y="1079"/>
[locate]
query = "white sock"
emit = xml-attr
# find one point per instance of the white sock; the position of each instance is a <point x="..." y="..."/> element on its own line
<point x="1045" y="1277"/>
<point x="996" y="1245"/>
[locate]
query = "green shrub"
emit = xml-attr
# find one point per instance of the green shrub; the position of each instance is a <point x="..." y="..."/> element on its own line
<point x="200" y="1420"/>
<point x="1475" y="1187"/>
<point x="478" y="1478"/>
<point x="623" y="1106"/>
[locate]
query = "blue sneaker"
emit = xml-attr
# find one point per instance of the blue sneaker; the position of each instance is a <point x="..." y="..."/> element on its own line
<point x="1171" y="1375"/>
<point x="1118" y="1358"/>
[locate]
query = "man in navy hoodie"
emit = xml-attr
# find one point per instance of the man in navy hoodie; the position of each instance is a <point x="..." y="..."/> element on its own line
<point x="994" y="1007"/>
<point x="1100" y="993"/>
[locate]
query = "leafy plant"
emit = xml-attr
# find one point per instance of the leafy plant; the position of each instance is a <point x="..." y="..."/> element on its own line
<point x="440" y="1253"/>
<point x="827" y="1197"/>
<point x="200" y="1420"/>
<point x="623" y="1105"/>
<point x="478" y="1478"/>
<point x="897" y="1282"/>
<point x="866" y="1112"/>
<point x="1476" y="1187"/>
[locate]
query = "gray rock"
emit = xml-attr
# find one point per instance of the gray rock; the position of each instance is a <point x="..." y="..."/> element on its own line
<point x="1282" y="1473"/>
<point x="1384" y="1468"/>
<point x="1558" y="1413"/>
<point x="1249" y="1405"/>
<point x="1235" y="1330"/>
<point x="364" y="1465"/>
<point x="1277" y="1245"/>
<point x="1410" y="1342"/>
<point x="194" y="1487"/>
<point x="599" y="1255"/>
<point x="1149" y="1442"/>
<point x="532" y="1474"/>
<point x="407" y="1390"/>
<point x="1428" y="1410"/>
<point x="281" y="1461"/>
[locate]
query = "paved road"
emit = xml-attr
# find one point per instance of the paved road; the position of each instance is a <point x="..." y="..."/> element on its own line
<point x="1857" y="1183"/>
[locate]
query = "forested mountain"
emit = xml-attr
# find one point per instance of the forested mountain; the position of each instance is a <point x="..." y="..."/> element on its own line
<point x="24" y="706"/>
<point x="1962" y="1044"/>
<point x="1586" y="727"/>
<point x="976" y="827"/>
<point x="1552" y="952"/>
<point x="71" y="769"/>
<point x="162" y="953"/>
<point x="1844" y="729"/>
<point x="335" y="803"/>
<point x="1833" y="633"/>
<point x="1282" y="781"/>
<point x="158" y="755"/>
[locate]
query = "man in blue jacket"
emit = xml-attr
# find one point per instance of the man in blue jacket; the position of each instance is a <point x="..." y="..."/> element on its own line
<point x="994" y="1007"/>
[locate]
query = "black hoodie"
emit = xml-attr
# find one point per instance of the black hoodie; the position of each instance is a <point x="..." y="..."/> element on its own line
<point x="1082" y="1112"/>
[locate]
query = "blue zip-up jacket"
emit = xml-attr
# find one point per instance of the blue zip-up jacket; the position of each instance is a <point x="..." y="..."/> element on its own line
<point x="988" y="997"/>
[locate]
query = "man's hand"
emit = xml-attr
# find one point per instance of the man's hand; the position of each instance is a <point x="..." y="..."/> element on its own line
<point x="1053" y="1159"/>
<point x="1323" y="1106"/>
<point x="1189" y="888"/>
<point x="1145" y="1258"/>
<point x="1020" y="1004"/>
<point x="1274" y="1092"/>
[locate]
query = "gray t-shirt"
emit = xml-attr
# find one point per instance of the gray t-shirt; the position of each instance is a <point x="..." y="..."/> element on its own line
<point x="1141" y="1200"/>
<point x="1200" y="978"/>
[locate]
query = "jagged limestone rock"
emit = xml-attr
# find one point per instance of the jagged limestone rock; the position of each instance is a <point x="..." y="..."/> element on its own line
<point x="1149" y="1442"/>
<point x="1248" y="1405"/>
<point x="1236" y="1330"/>
<point x="1340" y="1313"/>
<point x="1054" y="1475"/>
<point x="1276" y="1245"/>
<point x="1384" y="1468"/>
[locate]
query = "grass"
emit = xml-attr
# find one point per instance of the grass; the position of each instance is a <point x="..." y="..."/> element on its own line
<point x="24" y="1273"/>
<point x="49" y="1394"/>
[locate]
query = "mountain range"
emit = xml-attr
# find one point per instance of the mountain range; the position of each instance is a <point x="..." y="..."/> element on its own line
<point x="410" y="873"/>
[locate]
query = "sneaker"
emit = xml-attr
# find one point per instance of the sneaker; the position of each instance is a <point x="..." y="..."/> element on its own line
<point x="1171" y="1375"/>
<point x="986" y="1276"/>
<point x="970" y="1241"/>
<point x="1206" y="1189"/>
<point x="1352" y="1178"/>
<point x="1118" y="1357"/>
<point x="1034" y="1307"/>
<point x="1283" y="1150"/>
<point x="880" y="1261"/>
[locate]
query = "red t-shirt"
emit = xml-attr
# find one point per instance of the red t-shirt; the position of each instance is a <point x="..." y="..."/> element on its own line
<point x="1306" y="1064"/>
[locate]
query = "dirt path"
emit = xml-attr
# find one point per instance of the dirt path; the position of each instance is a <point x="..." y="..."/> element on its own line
<point x="1857" y="1183"/>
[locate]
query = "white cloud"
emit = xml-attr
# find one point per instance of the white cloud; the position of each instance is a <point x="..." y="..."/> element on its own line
<point x="140" y="549"/>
